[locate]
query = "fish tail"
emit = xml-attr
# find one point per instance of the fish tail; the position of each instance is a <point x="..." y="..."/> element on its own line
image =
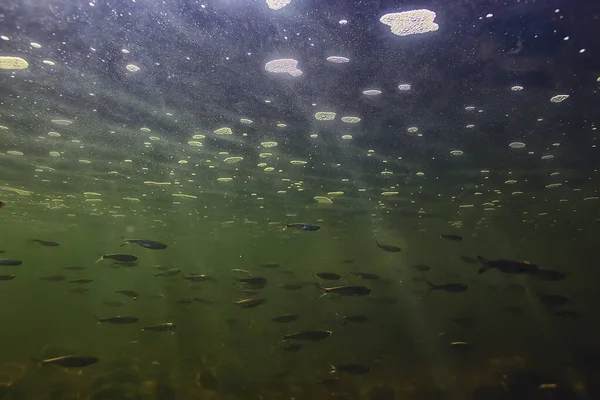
<point x="100" y="259"/>
<point x="431" y="285"/>
<point x="321" y="288"/>
<point x="332" y="369"/>
<point x="485" y="264"/>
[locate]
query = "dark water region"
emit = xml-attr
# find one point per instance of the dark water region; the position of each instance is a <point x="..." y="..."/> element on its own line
<point x="299" y="200"/>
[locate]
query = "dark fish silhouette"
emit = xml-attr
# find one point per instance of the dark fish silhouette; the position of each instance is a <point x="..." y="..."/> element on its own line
<point x="448" y="287"/>
<point x="250" y="303"/>
<point x="148" y="244"/>
<point x="119" y="319"/>
<point x="270" y="265"/>
<point x="10" y="262"/>
<point x="254" y="282"/>
<point x="346" y="290"/>
<point x="292" y="347"/>
<point x="304" y="227"/>
<point x="308" y="336"/>
<point x="198" y="277"/>
<point x="354" y="318"/>
<point x="169" y="272"/>
<point x="387" y="247"/>
<point x="164" y="327"/>
<point x="53" y="278"/>
<point x="119" y="257"/>
<point x="421" y="267"/>
<point x="45" y="242"/>
<point x="82" y="281"/>
<point x="7" y="277"/>
<point x="284" y="319"/>
<point x="507" y="266"/>
<point x="352" y="369"/>
<point x="553" y="300"/>
<point x="129" y="293"/>
<point x="71" y="361"/>
<point x="329" y="276"/>
<point x="455" y="238"/>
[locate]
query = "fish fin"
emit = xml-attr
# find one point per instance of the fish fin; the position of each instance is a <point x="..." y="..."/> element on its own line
<point x="100" y="259"/>
<point x="323" y="295"/>
<point x="485" y="264"/>
<point x="332" y="369"/>
<point x="431" y="285"/>
<point x="123" y="244"/>
<point x="323" y="289"/>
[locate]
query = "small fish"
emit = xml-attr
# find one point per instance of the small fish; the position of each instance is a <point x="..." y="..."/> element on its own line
<point x="291" y="286"/>
<point x="71" y="361"/>
<point x="74" y="268"/>
<point x="45" y="242"/>
<point x="7" y="277"/>
<point x="10" y="262"/>
<point x="459" y="344"/>
<point x="346" y="290"/>
<point x="80" y="290"/>
<point x="567" y="314"/>
<point x="352" y="369"/>
<point x="241" y="271"/>
<point x="148" y="244"/>
<point x="129" y="293"/>
<point x="303" y="227"/>
<point x="347" y="261"/>
<point x="553" y="300"/>
<point x="292" y="347"/>
<point x="164" y="327"/>
<point x="454" y="238"/>
<point x="469" y="260"/>
<point x="250" y="303"/>
<point x="421" y="267"/>
<point x="329" y="276"/>
<point x="82" y="281"/>
<point x="113" y="303"/>
<point x="271" y="266"/>
<point x="198" y="278"/>
<point x="254" y="282"/>
<point x="548" y="275"/>
<point x="387" y="247"/>
<point x="119" y="319"/>
<point x="507" y="266"/>
<point x="308" y="336"/>
<point x="366" y="276"/>
<point x="284" y="319"/>
<point x="169" y="272"/>
<point x="119" y="257"/>
<point x="448" y="287"/>
<point x="53" y="278"/>
<point x="354" y="318"/>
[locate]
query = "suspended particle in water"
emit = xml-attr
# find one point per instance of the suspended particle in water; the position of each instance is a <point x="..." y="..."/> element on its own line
<point x="510" y="182"/>
<point x="410" y="22"/>
<point x="284" y="65"/>
<point x="516" y="145"/>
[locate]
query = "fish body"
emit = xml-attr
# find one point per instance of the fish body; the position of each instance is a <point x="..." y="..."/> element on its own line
<point x="284" y="319"/>
<point x="304" y="227"/>
<point x="448" y="287"/>
<point x="328" y="276"/>
<point x="352" y="369"/>
<point x="250" y="303"/>
<point x="270" y="265"/>
<point x="7" y="277"/>
<point x="129" y="293"/>
<point x="45" y="242"/>
<point x="71" y="361"/>
<point x="254" y="282"/>
<point x="548" y="275"/>
<point x="354" y="318"/>
<point x="53" y="278"/>
<point x="10" y="262"/>
<point x="308" y="336"/>
<point x="169" y="272"/>
<point x="198" y="277"/>
<point x="119" y="319"/>
<point x="148" y="244"/>
<point x="119" y="257"/>
<point x="507" y="266"/>
<point x="454" y="238"/>
<point x="389" y="248"/>
<point x="164" y="327"/>
<point x="346" y="290"/>
<point x="82" y="281"/>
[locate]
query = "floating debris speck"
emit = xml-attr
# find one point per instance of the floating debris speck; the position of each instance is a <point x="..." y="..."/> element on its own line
<point x="559" y="98"/>
<point x="410" y="22"/>
<point x="284" y="65"/>
<point x="13" y="63"/>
